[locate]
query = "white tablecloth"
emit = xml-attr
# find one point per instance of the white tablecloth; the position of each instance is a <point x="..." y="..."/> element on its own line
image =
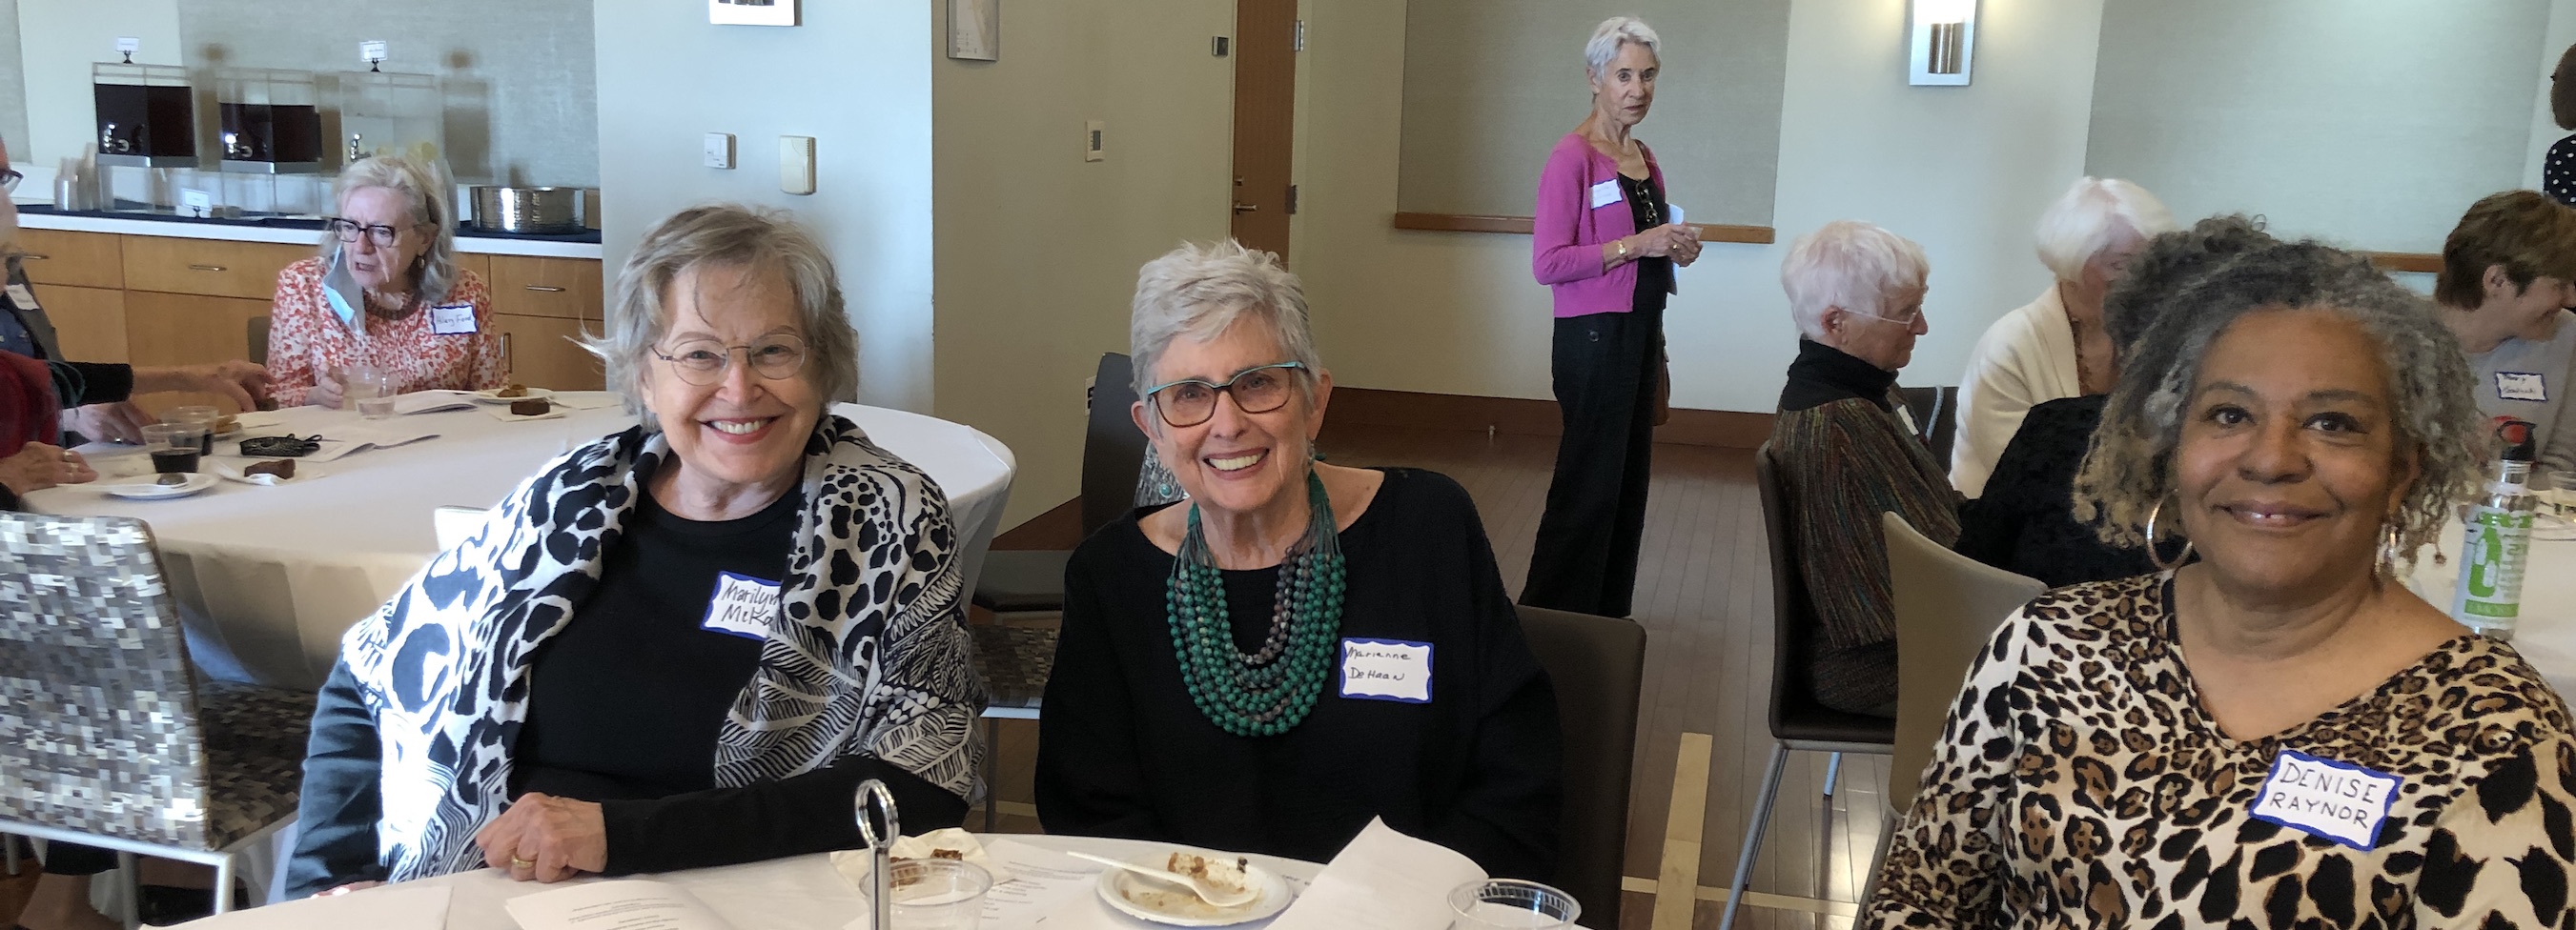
<point x="269" y="577"/>
<point x="800" y="893"/>
<point x="2546" y="633"/>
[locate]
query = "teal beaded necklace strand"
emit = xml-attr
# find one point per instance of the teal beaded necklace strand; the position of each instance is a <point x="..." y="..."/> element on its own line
<point x="1270" y="691"/>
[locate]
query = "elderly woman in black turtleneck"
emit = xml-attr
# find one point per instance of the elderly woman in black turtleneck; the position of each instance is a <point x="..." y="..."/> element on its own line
<point x="1845" y="451"/>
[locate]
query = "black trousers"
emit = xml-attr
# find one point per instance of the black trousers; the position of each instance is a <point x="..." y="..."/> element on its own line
<point x="63" y="858"/>
<point x="1606" y="368"/>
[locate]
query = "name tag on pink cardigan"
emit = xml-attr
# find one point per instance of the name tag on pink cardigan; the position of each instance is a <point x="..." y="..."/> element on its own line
<point x="1605" y="194"/>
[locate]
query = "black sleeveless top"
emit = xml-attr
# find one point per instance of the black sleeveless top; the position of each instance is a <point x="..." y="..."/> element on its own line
<point x="1654" y="275"/>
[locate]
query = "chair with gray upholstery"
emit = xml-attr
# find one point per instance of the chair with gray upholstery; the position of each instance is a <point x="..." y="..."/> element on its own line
<point x="1598" y="666"/>
<point x="1113" y="459"/>
<point x="107" y="738"/>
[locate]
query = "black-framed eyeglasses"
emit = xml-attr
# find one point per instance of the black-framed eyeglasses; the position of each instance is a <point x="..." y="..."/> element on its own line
<point x="9" y="180"/>
<point x="347" y="231"/>
<point x="703" y="361"/>
<point x="1191" y="401"/>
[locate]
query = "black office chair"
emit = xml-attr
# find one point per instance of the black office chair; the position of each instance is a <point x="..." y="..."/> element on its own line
<point x="1798" y="722"/>
<point x="1113" y="451"/>
<point x="1597" y="665"/>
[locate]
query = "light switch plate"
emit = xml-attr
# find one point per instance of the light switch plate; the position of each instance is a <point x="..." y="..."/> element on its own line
<point x="1095" y="140"/>
<point x="796" y="164"/>
<point x="719" y="147"/>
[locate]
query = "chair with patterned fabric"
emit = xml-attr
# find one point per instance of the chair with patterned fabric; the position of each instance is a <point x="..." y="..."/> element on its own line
<point x="106" y="736"/>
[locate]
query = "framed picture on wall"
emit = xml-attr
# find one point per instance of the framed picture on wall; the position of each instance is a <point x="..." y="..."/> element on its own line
<point x="975" y="30"/>
<point x="752" y="12"/>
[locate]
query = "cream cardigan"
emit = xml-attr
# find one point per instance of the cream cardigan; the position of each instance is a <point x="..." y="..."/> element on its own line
<point x="2026" y="359"/>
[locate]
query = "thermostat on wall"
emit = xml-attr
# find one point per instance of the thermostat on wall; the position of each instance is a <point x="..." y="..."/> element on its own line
<point x="796" y="164"/>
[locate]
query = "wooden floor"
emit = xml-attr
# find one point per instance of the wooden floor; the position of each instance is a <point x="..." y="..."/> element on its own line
<point x="1703" y="594"/>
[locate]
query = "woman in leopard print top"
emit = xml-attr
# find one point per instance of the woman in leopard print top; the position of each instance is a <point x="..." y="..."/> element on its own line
<point x="2277" y="735"/>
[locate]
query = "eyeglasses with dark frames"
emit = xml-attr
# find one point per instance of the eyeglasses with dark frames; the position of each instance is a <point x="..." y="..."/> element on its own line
<point x="1192" y="401"/>
<point x="9" y="180"/>
<point x="703" y="361"/>
<point x="347" y="231"/>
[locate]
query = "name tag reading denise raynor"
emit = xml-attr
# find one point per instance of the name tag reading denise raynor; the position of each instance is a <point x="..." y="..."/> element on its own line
<point x="1386" y="670"/>
<point x="2341" y="802"/>
<point x="742" y="606"/>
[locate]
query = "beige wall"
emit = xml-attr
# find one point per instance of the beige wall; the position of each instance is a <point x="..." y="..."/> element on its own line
<point x="57" y="41"/>
<point x="1962" y="170"/>
<point x="1036" y="250"/>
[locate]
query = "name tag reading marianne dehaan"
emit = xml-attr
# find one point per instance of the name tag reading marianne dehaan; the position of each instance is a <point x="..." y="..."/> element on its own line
<point x="1386" y="670"/>
<point x="742" y="606"/>
<point x="2339" y="801"/>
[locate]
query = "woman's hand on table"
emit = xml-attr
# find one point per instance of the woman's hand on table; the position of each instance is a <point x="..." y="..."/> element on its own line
<point x="243" y="383"/>
<point x="545" y="838"/>
<point x="118" y="422"/>
<point x="38" y="466"/>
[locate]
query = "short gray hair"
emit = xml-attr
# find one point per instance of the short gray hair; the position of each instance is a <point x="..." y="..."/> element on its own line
<point x="1851" y="265"/>
<point x="1607" y="37"/>
<point x="423" y="185"/>
<point x="724" y="235"/>
<point x="2084" y="220"/>
<point x="2130" y="467"/>
<point x="1203" y="290"/>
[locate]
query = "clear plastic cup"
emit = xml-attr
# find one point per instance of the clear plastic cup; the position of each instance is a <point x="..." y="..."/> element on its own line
<point x="1511" y="904"/>
<point x="175" y="447"/>
<point x="371" y="390"/>
<point x="938" y="894"/>
<point x="201" y="417"/>
<point x="2562" y="492"/>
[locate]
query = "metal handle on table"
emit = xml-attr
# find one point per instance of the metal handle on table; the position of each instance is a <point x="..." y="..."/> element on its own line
<point x="507" y="363"/>
<point x="542" y="289"/>
<point x="207" y="268"/>
<point x="874" y="799"/>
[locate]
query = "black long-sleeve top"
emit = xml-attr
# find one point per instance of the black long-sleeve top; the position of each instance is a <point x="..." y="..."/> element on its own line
<point x="624" y="704"/>
<point x="2025" y="522"/>
<point x="1123" y="752"/>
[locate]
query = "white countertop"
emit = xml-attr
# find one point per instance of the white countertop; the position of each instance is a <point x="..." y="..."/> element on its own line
<point x="180" y="229"/>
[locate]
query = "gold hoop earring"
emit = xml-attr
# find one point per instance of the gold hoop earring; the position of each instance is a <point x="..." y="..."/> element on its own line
<point x="2156" y="557"/>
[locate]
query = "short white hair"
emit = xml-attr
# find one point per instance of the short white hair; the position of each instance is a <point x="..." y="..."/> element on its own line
<point x="1851" y="265"/>
<point x="1202" y="291"/>
<point x="1613" y="31"/>
<point x="2083" y="223"/>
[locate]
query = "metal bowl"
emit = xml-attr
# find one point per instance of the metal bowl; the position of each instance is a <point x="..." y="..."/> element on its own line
<point x="529" y="210"/>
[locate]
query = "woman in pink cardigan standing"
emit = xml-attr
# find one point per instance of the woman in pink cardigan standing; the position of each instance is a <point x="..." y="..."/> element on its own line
<point x="1606" y="242"/>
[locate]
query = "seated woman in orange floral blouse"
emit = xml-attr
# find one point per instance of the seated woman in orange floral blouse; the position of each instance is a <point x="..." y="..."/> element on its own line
<point x="385" y="293"/>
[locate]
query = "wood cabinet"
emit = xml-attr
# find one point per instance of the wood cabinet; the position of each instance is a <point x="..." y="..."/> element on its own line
<point x="158" y="300"/>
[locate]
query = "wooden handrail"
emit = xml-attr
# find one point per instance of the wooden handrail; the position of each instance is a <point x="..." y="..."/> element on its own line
<point x="1520" y="225"/>
<point x="2406" y="261"/>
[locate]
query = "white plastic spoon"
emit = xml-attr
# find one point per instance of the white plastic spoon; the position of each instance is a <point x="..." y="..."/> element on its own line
<point x="1207" y="891"/>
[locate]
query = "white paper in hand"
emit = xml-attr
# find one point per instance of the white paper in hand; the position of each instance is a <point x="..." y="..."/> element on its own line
<point x="618" y="905"/>
<point x="1383" y="880"/>
<point x="391" y="907"/>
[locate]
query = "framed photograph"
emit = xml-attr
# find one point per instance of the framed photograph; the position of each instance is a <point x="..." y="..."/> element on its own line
<point x="752" y="12"/>
<point x="975" y="30"/>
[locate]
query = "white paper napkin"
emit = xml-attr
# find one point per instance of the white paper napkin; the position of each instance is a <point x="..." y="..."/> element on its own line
<point x="433" y="402"/>
<point x="1383" y="880"/>
<point x="409" y="906"/>
<point x="348" y="440"/>
<point x="587" y="400"/>
<point x="504" y="415"/>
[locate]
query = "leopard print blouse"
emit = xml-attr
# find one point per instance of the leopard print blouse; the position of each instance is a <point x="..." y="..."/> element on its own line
<point x="2079" y="783"/>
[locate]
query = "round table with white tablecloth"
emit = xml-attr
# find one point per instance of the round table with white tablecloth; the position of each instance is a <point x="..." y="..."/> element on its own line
<point x="2546" y="631"/>
<point x="269" y="577"/>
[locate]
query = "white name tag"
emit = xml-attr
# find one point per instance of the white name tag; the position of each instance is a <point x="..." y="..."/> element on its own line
<point x="1386" y="670"/>
<point x="21" y="296"/>
<point x="2339" y="801"/>
<point x="742" y="606"/>
<point x="451" y="319"/>
<point x="2517" y="385"/>
<point x="1605" y="194"/>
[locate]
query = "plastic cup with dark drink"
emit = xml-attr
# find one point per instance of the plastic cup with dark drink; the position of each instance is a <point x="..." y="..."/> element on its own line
<point x="175" y="447"/>
<point x="202" y="417"/>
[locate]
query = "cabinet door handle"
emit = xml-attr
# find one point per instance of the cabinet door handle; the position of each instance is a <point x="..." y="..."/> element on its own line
<point x="33" y="257"/>
<point x="542" y="289"/>
<point x="507" y="363"/>
<point x="207" y="268"/>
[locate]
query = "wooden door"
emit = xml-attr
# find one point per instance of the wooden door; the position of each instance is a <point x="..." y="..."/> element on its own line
<point x="1265" y="102"/>
<point x="541" y="353"/>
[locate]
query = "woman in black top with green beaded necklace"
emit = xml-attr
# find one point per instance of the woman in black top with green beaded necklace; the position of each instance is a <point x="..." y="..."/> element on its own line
<point x="1298" y="647"/>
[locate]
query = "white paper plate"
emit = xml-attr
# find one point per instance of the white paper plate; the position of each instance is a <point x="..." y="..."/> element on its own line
<point x="1146" y="899"/>
<point x="148" y="490"/>
<point x="233" y="471"/>
<point x="494" y="396"/>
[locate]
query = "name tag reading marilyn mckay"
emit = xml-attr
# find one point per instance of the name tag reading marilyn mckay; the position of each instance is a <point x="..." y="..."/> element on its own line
<point x="742" y="606"/>
<point x="1386" y="670"/>
<point x="2339" y="801"/>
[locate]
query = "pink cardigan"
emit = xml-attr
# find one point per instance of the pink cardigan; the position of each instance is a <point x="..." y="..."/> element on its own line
<point x="1567" y="231"/>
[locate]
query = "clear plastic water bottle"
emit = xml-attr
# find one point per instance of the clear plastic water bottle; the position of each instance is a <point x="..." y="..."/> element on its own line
<point x="2496" y="542"/>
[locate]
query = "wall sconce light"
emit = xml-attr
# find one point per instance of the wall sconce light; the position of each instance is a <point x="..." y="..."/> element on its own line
<point x="1943" y="42"/>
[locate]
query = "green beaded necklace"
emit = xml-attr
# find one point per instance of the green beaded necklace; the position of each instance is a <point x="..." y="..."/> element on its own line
<point x="1270" y="691"/>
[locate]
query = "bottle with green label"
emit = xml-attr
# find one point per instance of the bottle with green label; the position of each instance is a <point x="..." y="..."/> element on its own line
<point x="2496" y="542"/>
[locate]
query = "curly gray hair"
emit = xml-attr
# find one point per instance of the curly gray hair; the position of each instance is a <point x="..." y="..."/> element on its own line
<point x="725" y="235"/>
<point x="1204" y="290"/>
<point x="2130" y="466"/>
<point x="2168" y="262"/>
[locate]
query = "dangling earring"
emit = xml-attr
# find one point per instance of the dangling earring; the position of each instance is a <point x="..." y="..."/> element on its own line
<point x="2156" y="557"/>
<point x="2391" y="545"/>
